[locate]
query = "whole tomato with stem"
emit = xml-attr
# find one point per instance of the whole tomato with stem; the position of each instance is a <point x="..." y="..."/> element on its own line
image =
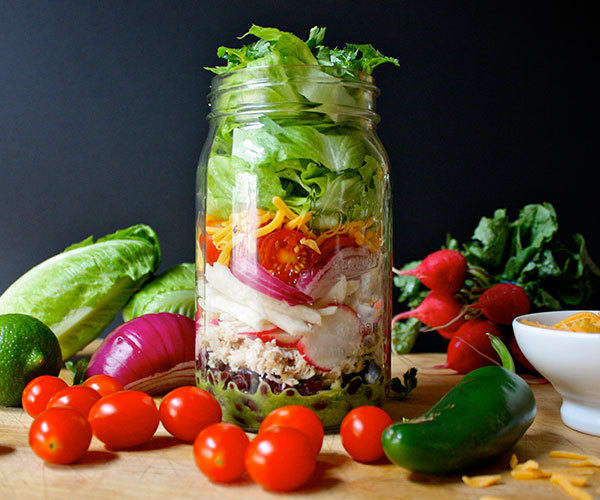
<point x="38" y="392"/>
<point x="298" y="417"/>
<point x="124" y="419"/>
<point x="219" y="452"/>
<point x="280" y="459"/>
<point x="77" y="397"/>
<point x="103" y="384"/>
<point x="187" y="410"/>
<point x="361" y="432"/>
<point x="60" y="435"/>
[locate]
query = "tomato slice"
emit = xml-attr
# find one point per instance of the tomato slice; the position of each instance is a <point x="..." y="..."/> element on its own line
<point x="335" y="243"/>
<point x="283" y="256"/>
<point x="212" y="253"/>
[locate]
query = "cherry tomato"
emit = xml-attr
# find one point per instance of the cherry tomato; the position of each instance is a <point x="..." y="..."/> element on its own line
<point x="283" y="256"/>
<point x="77" y="396"/>
<point x="60" y="435"/>
<point x="38" y="392"/>
<point x="212" y="253"/>
<point x="299" y="417"/>
<point x="124" y="419"/>
<point x="103" y="384"/>
<point x="280" y="459"/>
<point x="335" y="243"/>
<point x="361" y="432"/>
<point x="219" y="451"/>
<point x="185" y="411"/>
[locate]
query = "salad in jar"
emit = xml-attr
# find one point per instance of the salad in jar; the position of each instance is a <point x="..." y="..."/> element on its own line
<point x="293" y="231"/>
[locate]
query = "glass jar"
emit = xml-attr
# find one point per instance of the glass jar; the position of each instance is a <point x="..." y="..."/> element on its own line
<point x="293" y="245"/>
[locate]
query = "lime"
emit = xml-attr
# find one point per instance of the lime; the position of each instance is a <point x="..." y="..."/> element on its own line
<point x="28" y="348"/>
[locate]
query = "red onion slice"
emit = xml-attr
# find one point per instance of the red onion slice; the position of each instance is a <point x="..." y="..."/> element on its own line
<point x="349" y="262"/>
<point x="152" y="353"/>
<point x="251" y="273"/>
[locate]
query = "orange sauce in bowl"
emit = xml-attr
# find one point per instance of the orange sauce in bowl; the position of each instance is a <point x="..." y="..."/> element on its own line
<point x="583" y="322"/>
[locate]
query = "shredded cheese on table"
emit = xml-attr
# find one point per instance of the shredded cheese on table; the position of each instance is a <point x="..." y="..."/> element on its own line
<point x="567" y="454"/>
<point x="481" y="481"/>
<point x="571" y="487"/>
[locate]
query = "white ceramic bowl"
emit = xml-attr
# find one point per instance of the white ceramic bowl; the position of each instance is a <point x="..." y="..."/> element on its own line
<point x="570" y="361"/>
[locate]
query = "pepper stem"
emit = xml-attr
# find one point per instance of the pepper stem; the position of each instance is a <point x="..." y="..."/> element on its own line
<point x="503" y="353"/>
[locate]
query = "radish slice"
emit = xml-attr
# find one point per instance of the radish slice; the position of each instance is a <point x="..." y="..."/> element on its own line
<point x="349" y="262"/>
<point x="260" y="333"/>
<point x="328" y="345"/>
<point x="281" y="338"/>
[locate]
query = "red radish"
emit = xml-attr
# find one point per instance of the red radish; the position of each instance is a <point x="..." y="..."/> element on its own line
<point x="442" y="271"/>
<point x="518" y="354"/>
<point x="503" y="302"/>
<point x="470" y="338"/>
<point x="437" y="310"/>
<point x="329" y="344"/>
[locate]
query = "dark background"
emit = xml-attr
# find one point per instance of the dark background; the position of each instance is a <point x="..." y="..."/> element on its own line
<point x="102" y="113"/>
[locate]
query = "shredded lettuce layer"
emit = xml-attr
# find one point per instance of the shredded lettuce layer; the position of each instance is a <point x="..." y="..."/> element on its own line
<point x="275" y="47"/>
<point x="311" y="154"/>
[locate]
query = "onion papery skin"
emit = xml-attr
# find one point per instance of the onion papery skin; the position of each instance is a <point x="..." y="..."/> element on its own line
<point x="151" y="353"/>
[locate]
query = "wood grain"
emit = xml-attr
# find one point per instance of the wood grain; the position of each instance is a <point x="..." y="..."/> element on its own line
<point x="164" y="468"/>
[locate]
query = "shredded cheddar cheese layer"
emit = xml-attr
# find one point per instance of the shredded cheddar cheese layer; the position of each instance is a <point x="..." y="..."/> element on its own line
<point x="251" y="226"/>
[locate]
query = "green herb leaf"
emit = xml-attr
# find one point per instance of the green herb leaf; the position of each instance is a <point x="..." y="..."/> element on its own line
<point x="535" y="226"/>
<point x="489" y="241"/>
<point x="412" y="291"/>
<point x="403" y="387"/>
<point x="404" y="335"/>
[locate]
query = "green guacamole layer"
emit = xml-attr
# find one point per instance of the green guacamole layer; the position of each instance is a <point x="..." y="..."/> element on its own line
<point x="331" y="405"/>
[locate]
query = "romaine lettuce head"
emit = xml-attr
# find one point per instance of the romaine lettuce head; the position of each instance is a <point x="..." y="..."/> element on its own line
<point x="78" y="292"/>
<point x="171" y="291"/>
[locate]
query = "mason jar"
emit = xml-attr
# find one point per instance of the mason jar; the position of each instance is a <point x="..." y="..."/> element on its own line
<point x="293" y="245"/>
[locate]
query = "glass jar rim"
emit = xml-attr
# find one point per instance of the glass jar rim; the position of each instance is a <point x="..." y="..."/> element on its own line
<point x="362" y="80"/>
<point x="257" y="78"/>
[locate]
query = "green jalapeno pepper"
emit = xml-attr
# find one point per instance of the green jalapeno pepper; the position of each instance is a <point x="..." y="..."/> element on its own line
<point x="483" y="416"/>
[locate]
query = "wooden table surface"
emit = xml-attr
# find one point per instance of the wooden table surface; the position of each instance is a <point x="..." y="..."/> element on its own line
<point x="164" y="468"/>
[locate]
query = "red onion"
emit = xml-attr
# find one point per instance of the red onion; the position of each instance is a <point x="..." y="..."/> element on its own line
<point x="349" y="262"/>
<point x="251" y="273"/>
<point x="151" y="353"/>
